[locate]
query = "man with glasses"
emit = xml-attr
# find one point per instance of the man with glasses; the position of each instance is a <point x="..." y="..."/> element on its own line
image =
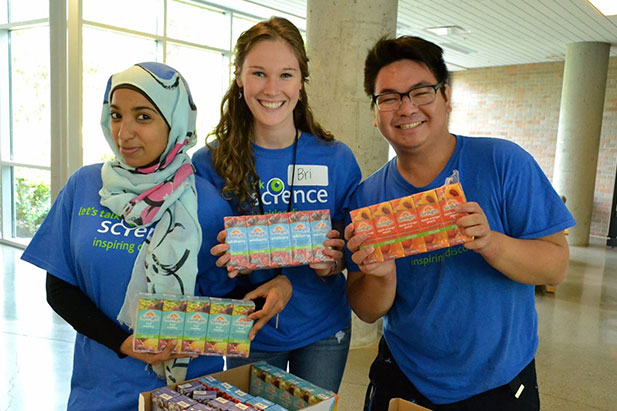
<point x="460" y="326"/>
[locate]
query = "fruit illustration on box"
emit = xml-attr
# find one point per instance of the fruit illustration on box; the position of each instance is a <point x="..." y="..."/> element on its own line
<point x="363" y="224"/>
<point x="431" y="221"/>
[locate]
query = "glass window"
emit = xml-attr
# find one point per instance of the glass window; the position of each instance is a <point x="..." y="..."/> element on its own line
<point x="105" y="52"/>
<point x="4" y="12"/>
<point x="198" y="24"/>
<point x="207" y="75"/>
<point x="139" y="15"/>
<point x="28" y="10"/>
<point x="31" y="200"/>
<point x="30" y="96"/>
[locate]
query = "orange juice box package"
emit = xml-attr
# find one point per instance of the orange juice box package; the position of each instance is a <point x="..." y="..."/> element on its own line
<point x="239" y="343"/>
<point x="172" y="322"/>
<point x="408" y="225"/>
<point x="237" y="238"/>
<point x="320" y="227"/>
<point x="431" y="222"/>
<point x="219" y="324"/>
<point x="195" y="325"/>
<point x="363" y="224"/>
<point x="147" y="330"/>
<point x="280" y="239"/>
<point x="259" y="243"/>
<point x="386" y="231"/>
<point x="300" y="230"/>
<point x="450" y="196"/>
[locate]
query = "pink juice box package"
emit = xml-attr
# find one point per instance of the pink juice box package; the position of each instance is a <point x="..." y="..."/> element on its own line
<point x="147" y="330"/>
<point x="280" y="240"/>
<point x="259" y="243"/>
<point x="320" y="227"/>
<point x="172" y="322"/>
<point x="219" y="324"/>
<point x="195" y="325"/>
<point x="300" y="231"/>
<point x="239" y="343"/>
<point x="237" y="238"/>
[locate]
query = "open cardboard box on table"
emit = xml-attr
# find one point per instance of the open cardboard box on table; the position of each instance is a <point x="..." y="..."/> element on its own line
<point x="398" y="404"/>
<point x="240" y="377"/>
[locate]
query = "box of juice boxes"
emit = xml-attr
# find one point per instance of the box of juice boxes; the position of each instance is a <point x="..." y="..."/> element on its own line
<point x="277" y="240"/>
<point x="233" y="390"/>
<point x="200" y="325"/>
<point x="410" y="225"/>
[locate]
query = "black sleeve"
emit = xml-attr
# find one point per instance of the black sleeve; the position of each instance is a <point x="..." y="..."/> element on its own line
<point x="70" y="303"/>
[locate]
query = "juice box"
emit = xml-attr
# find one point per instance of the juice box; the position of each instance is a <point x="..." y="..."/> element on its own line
<point x="429" y="214"/>
<point x="408" y="225"/>
<point x="280" y="240"/>
<point x="300" y="230"/>
<point x="180" y="403"/>
<point x="147" y="330"/>
<point x="239" y="343"/>
<point x="237" y="238"/>
<point x="449" y="197"/>
<point x="172" y="322"/>
<point x="195" y="325"/>
<point x="259" y="243"/>
<point x="320" y="227"/>
<point x="363" y="224"/>
<point x="386" y="231"/>
<point x="219" y="324"/>
<point x="161" y="397"/>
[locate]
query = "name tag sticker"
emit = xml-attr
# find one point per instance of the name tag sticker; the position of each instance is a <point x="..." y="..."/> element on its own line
<point x="308" y="175"/>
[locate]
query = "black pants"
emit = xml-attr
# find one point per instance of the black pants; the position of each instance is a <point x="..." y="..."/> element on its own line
<point x="388" y="381"/>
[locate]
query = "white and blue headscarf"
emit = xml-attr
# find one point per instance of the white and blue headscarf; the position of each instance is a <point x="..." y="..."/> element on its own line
<point x="161" y="195"/>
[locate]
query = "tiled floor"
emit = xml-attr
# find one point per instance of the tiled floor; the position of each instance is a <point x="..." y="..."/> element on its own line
<point x="576" y="360"/>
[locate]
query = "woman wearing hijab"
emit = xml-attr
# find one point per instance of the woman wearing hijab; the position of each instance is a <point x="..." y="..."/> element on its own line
<point x="126" y="226"/>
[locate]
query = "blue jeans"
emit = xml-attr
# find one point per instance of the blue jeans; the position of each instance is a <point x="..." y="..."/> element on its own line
<point x="321" y="363"/>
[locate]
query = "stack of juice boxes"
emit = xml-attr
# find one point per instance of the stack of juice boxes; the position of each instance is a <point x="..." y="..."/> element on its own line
<point x="200" y="325"/>
<point x="414" y="224"/>
<point x="284" y="388"/>
<point x="277" y="240"/>
<point x="208" y="393"/>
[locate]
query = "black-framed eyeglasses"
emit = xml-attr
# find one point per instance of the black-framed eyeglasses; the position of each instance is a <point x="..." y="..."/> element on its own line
<point x="418" y="96"/>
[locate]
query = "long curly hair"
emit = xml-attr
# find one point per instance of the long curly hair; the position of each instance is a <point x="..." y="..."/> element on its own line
<point x="232" y="156"/>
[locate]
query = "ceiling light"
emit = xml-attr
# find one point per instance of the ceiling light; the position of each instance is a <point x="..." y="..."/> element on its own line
<point x="606" y="7"/>
<point x="446" y="30"/>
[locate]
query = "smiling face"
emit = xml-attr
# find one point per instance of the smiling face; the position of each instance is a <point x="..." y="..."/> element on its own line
<point x="138" y="129"/>
<point x="412" y="129"/>
<point x="271" y="81"/>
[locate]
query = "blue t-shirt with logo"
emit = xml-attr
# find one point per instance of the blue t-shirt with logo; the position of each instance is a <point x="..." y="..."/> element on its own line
<point x="326" y="173"/>
<point x="458" y="327"/>
<point x="87" y="245"/>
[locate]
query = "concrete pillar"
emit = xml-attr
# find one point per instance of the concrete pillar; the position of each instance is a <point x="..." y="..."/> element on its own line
<point x="578" y="135"/>
<point x="339" y="35"/>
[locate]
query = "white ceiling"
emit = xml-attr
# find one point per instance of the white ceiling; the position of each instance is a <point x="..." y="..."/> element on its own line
<point x="498" y="32"/>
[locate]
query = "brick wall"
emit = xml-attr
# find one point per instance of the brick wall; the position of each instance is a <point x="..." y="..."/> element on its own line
<point x="521" y="103"/>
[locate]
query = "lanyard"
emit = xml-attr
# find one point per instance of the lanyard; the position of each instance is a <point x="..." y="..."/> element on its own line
<point x="279" y="271"/>
<point x="293" y="175"/>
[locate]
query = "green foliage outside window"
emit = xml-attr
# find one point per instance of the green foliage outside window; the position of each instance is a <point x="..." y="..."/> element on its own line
<point x="32" y="205"/>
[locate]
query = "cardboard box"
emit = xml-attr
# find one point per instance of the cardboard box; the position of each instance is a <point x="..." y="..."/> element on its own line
<point x="398" y="404"/>
<point x="240" y="378"/>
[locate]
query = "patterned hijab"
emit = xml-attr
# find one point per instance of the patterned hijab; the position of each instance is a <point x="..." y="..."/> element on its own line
<point x="161" y="195"/>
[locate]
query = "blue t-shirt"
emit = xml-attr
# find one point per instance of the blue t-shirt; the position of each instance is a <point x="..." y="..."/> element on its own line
<point x="87" y="245"/>
<point x="325" y="175"/>
<point x="458" y="327"/>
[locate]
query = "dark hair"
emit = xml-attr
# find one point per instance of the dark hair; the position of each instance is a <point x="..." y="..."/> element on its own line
<point x="389" y="50"/>
<point x="232" y="156"/>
